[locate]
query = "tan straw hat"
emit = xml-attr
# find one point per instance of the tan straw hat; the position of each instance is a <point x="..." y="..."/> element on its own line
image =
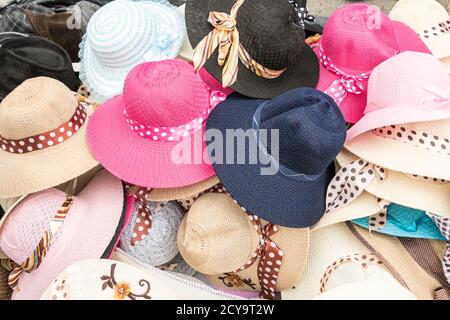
<point x="43" y="137"/>
<point x="218" y="237"/>
<point x="5" y="290"/>
<point x="416" y="192"/>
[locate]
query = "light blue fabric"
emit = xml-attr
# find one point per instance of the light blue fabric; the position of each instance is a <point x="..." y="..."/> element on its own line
<point x="406" y="222"/>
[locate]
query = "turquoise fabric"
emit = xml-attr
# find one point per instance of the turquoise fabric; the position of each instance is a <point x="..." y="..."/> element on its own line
<point x="406" y="222"/>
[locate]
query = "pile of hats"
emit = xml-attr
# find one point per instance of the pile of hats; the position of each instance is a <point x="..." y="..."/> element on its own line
<point x="224" y="149"/>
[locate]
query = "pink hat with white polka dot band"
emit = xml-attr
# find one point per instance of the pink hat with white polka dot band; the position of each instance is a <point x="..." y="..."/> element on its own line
<point x="163" y="109"/>
<point x="42" y="137"/>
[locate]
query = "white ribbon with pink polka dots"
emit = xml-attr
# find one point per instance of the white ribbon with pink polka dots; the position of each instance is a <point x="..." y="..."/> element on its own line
<point x="339" y="89"/>
<point x="170" y="134"/>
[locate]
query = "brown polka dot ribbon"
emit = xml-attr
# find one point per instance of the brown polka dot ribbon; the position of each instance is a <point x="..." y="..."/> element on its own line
<point x="443" y="223"/>
<point x="49" y="138"/>
<point x="379" y="219"/>
<point x="34" y="261"/>
<point x="364" y="260"/>
<point x="350" y="182"/>
<point x="419" y="139"/>
<point x="225" y="36"/>
<point x="347" y="83"/>
<point x="440" y="29"/>
<point x="144" y="217"/>
<point x="270" y="258"/>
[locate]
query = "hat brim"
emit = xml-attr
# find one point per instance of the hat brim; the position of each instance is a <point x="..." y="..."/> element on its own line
<point x="399" y="188"/>
<point x="304" y="72"/>
<point x="138" y="160"/>
<point x="93" y="235"/>
<point x="275" y="198"/>
<point x="388" y="153"/>
<point x="42" y="169"/>
<point x="170" y="194"/>
<point x="439" y="46"/>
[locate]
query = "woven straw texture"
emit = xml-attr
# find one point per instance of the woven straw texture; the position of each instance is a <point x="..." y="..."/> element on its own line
<point x="5" y="290"/>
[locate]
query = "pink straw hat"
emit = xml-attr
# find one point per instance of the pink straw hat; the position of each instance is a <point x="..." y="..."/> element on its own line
<point x="72" y="228"/>
<point x="410" y="87"/>
<point x="356" y="39"/>
<point x="163" y="109"/>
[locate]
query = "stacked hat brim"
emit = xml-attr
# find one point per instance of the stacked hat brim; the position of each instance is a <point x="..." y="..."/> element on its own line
<point x="281" y="200"/>
<point x="169" y="194"/>
<point x="130" y="157"/>
<point x="403" y="189"/>
<point x="94" y="234"/>
<point x="303" y="72"/>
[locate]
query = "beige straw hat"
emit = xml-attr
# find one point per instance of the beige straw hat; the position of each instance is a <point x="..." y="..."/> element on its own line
<point x="5" y="290"/>
<point x="43" y="131"/>
<point x="217" y="237"/>
<point x="427" y="154"/>
<point x="170" y="194"/>
<point x="406" y="189"/>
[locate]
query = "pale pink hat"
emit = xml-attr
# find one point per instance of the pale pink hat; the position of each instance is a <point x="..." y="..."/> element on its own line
<point x="357" y="38"/>
<point x="410" y="87"/>
<point x="89" y="230"/>
<point x="163" y="108"/>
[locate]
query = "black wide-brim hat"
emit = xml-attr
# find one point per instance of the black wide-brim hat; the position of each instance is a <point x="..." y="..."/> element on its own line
<point x="255" y="20"/>
<point x="280" y="199"/>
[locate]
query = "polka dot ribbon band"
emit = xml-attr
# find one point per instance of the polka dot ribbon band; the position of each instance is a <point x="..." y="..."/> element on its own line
<point x="34" y="261"/>
<point x="270" y="258"/>
<point x="418" y="139"/>
<point x="440" y="29"/>
<point x="175" y="133"/>
<point x="303" y="14"/>
<point x="144" y="217"/>
<point x="379" y="219"/>
<point x="339" y="89"/>
<point x="49" y="138"/>
<point x="225" y="36"/>
<point x="350" y="182"/>
<point x="364" y="260"/>
<point x="443" y="223"/>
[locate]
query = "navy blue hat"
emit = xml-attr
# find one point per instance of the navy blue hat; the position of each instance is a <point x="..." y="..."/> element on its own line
<point x="312" y="131"/>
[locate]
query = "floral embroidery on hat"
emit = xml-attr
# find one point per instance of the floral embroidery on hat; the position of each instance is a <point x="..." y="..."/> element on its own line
<point x="233" y="280"/>
<point x="122" y="290"/>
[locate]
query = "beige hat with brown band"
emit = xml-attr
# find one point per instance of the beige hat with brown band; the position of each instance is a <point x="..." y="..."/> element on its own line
<point x="217" y="236"/>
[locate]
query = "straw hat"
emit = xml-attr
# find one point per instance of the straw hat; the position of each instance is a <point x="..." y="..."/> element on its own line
<point x="401" y="94"/>
<point x="169" y="194"/>
<point x="90" y="228"/>
<point x="433" y="27"/>
<point x="419" y="193"/>
<point x="217" y="236"/>
<point x="5" y="290"/>
<point x="43" y="131"/>
<point x="352" y="45"/>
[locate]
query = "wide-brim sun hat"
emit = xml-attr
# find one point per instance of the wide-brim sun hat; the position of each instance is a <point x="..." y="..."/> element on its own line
<point x="123" y="34"/>
<point x="406" y="189"/>
<point x="433" y="27"/>
<point x="272" y="49"/>
<point x="139" y="147"/>
<point x="352" y="46"/>
<point x="32" y="157"/>
<point x="311" y="130"/>
<point x="169" y="194"/>
<point x="217" y="236"/>
<point x="401" y="94"/>
<point x="90" y="230"/>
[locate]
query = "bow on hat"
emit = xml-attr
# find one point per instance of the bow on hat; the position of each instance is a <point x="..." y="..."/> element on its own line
<point x="34" y="261"/>
<point x="225" y="36"/>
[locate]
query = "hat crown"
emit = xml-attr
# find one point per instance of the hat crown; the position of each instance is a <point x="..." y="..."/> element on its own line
<point x="273" y="47"/>
<point x="311" y="128"/>
<point x="164" y="94"/>
<point x="36" y="106"/>
<point x="123" y="32"/>
<point x="216" y="236"/>
<point x="403" y="80"/>
<point x="358" y="37"/>
<point x="27" y="222"/>
<point x="420" y="15"/>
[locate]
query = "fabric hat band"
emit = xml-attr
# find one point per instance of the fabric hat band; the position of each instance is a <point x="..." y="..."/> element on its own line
<point x="418" y="139"/>
<point x="49" y="138"/>
<point x="225" y="36"/>
<point x="36" y="258"/>
<point x="285" y="171"/>
<point x="443" y="223"/>
<point x="348" y="83"/>
<point x="437" y="30"/>
<point x="170" y="134"/>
